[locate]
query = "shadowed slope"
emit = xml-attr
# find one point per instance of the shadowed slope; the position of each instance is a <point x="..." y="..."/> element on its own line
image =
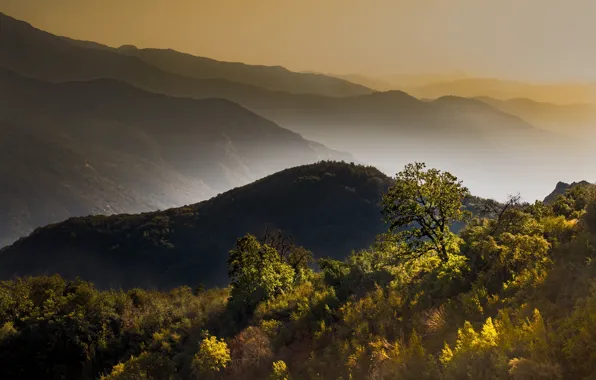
<point x="328" y="207"/>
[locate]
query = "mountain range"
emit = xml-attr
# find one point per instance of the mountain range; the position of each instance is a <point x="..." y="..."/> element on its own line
<point x="125" y="135"/>
<point x="104" y="146"/>
<point x="432" y="86"/>
<point x="152" y="69"/>
<point x="132" y="130"/>
<point x="506" y="89"/>
<point x="313" y="115"/>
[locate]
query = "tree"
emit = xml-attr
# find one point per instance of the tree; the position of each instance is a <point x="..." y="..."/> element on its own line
<point x="257" y="272"/>
<point x="145" y="366"/>
<point x="280" y="371"/>
<point x="213" y="356"/>
<point x="574" y="201"/>
<point x="421" y="205"/>
<point x="299" y="258"/>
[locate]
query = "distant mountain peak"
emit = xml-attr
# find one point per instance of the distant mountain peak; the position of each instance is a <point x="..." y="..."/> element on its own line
<point x="562" y="187"/>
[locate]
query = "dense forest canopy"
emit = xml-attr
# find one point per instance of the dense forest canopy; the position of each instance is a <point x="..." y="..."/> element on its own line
<point x="515" y="298"/>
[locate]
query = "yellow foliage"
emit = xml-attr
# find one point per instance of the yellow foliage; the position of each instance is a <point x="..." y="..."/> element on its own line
<point x="280" y="371"/>
<point x="213" y="355"/>
<point x="7" y="331"/>
<point x="489" y="336"/>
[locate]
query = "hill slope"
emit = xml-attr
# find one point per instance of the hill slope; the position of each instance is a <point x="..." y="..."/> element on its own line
<point x="275" y="78"/>
<point x="330" y="208"/>
<point x="152" y="69"/>
<point x="115" y="148"/>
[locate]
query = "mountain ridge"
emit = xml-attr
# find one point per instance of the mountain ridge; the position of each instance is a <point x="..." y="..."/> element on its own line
<point x="506" y="89"/>
<point x="157" y="63"/>
<point x="275" y="78"/>
<point x="118" y="148"/>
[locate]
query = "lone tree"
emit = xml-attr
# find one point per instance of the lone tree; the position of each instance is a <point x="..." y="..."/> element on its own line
<point x="421" y="205"/>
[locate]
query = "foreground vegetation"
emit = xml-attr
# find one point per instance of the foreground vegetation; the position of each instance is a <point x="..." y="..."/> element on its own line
<point x="512" y="296"/>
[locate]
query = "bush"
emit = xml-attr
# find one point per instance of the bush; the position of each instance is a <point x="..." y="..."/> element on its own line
<point x="212" y="357"/>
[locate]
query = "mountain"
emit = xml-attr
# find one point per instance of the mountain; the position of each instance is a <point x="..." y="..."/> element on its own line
<point x="152" y="69"/>
<point x="579" y="118"/>
<point x="275" y="78"/>
<point x="561" y="188"/>
<point x="314" y="116"/>
<point x="384" y="129"/>
<point x="505" y="89"/>
<point x="104" y="146"/>
<point x="330" y="208"/>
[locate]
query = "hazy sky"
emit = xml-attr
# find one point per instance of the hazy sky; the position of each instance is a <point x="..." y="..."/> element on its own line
<point x="539" y="40"/>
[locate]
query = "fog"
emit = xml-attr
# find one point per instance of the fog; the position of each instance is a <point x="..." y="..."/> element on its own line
<point x="494" y="166"/>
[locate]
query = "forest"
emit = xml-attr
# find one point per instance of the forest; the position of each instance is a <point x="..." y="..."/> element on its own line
<point x="511" y="295"/>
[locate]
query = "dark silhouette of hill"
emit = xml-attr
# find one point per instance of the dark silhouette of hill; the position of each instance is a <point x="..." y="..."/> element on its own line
<point x="331" y="208"/>
<point x="275" y="78"/>
<point x="328" y="207"/>
<point x="104" y="146"/>
<point x="152" y="69"/>
<point x="561" y="188"/>
<point x="60" y="59"/>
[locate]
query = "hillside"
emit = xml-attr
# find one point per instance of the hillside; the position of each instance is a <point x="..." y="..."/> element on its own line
<point x="115" y="148"/>
<point x="275" y="78"/>
<point x="157" y="70"/>
<point x="330" y="208"/>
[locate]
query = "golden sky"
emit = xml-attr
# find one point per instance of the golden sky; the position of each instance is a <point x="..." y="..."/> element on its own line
<point x="538" y="40"/>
